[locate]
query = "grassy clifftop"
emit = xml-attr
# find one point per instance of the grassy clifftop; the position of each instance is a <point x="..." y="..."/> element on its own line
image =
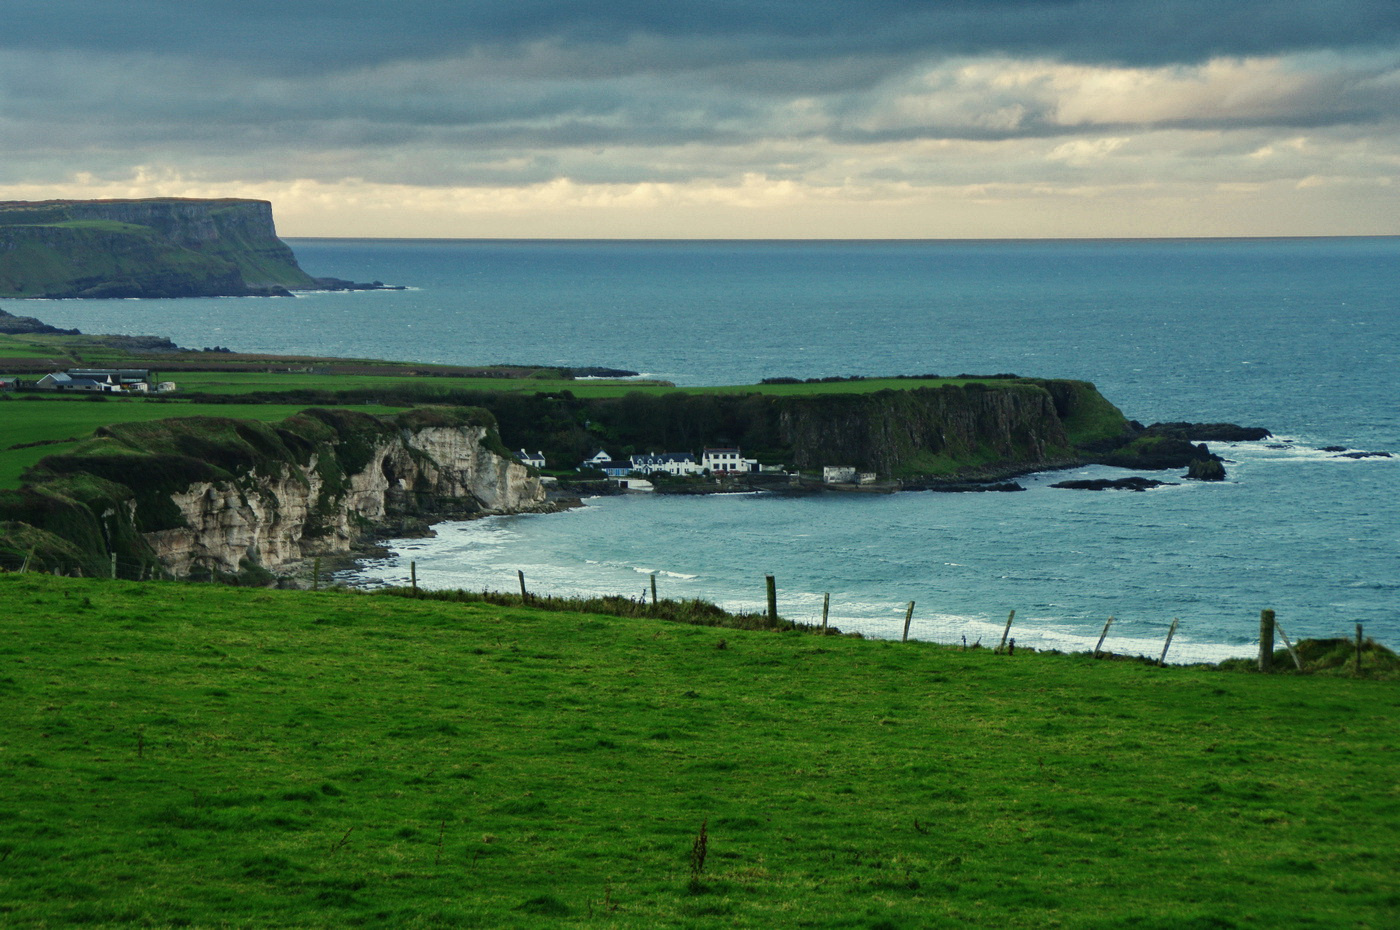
<point x="143" y="248"/>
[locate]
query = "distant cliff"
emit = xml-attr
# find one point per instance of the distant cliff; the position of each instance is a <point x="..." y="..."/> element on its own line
<point x="957" y="430"/>
<point x="205" y="496"/>
<point x="144" y="248"/>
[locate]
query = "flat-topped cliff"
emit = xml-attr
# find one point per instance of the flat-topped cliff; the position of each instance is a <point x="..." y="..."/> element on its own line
<point x="144" y="248"/>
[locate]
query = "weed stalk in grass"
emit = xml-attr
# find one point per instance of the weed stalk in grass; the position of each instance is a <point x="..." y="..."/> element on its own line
<point x="336" y="847"/>
<point x="699" y="850"/>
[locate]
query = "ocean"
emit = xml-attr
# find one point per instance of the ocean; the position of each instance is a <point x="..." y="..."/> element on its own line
<point x="1301" y="336"/>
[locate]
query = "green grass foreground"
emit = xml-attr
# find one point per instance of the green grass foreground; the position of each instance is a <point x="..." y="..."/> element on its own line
<point x="184" y="755"/>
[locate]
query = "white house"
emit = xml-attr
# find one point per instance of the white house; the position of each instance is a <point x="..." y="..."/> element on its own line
<point x="605" y="463"/>
<point x="725" y="461"/>
<point x="596" y="459"/>
<point x="62" y="381"/>
<point x="670" y="463"/>
<point x="534" y="460"/>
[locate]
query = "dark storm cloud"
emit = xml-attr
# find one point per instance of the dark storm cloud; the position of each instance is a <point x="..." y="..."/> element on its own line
<point x="519" y="92"/>
<point x="300" y="35"/>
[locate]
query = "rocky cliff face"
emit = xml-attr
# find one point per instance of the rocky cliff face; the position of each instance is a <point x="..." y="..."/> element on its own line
<point x="203" y="496"/>
<point x="930" y="430"/>
<point x="144" y="248"/>
<point x="277" y="521"/>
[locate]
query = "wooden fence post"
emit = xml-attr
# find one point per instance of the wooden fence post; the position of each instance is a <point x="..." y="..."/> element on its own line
<point x="772" y="599"/>
<point x="653" y="590"/>
<point x="1296" y="661"/>
<point x="1099" y="645"/>
<point x="1002" y="645"/>
<point x="826" y="608"/>
<point x="1358" y="649"/>
<point x="524" y="595"/>
<point x="1170" y="633"/>
<point x="114" y="566"/>
<point x="908" y="615"/>
<point x="413" y="576"/>
<point x="1266" y="640"/>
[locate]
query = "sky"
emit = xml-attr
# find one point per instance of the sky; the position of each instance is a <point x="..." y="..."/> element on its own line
<point x="718" y="118"/>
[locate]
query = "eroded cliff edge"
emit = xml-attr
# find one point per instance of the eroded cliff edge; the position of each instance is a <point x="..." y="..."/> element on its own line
<point x="167" y="247"/>
<point x="210" y="497"/>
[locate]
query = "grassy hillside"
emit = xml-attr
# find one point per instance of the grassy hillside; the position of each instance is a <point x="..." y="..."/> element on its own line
<point x="33" y="428"/>
<point x="182" y="755"/>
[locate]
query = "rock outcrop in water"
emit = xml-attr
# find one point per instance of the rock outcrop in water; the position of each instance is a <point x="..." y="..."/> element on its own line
<point x="144" y="248"/>
<point x="207" y="496"/>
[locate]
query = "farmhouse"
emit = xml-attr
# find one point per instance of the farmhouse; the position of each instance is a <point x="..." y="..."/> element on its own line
<point x="532" y="459"/>
<point x="102" y="380"/>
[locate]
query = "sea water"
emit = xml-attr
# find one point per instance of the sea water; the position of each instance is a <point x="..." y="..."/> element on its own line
<point x="1301" y="336"/>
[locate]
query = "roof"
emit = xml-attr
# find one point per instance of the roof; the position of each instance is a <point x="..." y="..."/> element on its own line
<point x="661" y="458"/>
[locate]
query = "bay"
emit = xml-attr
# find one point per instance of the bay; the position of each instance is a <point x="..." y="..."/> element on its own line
<point x="1299" y="335"/>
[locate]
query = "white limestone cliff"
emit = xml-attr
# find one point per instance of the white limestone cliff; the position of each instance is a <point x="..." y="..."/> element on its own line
<point x="277" y="522"/>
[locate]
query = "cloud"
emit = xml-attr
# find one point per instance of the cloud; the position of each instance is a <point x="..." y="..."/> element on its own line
<point x="294" y="37"/>
<point x="718" y="105"/>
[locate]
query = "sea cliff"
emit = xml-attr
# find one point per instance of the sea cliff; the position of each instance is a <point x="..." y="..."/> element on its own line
<point x="959" y="429"/>
<point x="144" y="248"/>
<point x="210" y="497"/>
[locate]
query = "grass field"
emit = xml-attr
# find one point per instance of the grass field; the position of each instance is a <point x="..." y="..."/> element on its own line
<point x="182" y="755"/>
<point x="59" y="423"/>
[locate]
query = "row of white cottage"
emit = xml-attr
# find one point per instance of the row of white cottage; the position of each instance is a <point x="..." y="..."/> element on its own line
<point x="720" y="461"/>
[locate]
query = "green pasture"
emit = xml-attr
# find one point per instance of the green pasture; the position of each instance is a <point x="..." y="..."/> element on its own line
<point x="199" y="756"/>
<point x="59" y="423"/>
